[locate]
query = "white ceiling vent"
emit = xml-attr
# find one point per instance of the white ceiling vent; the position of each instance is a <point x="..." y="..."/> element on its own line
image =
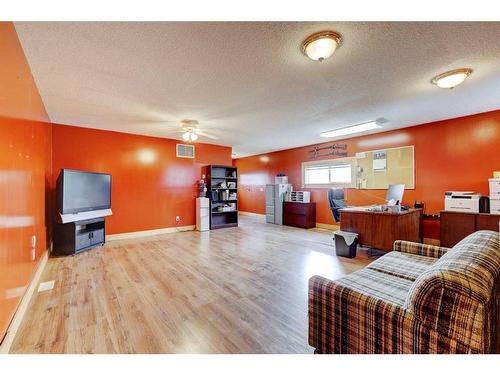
<point x="185" y="151"/>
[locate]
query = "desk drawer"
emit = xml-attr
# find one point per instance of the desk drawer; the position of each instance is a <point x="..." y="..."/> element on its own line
<point x="299" y="221"/>
<point x="295" y="208"/>
<point x="301" y="215"/>
<point x="455" y="226"/>
<point x="487" y="222"/>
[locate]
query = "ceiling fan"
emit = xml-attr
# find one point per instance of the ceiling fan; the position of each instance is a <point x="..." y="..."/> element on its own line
<point x="190" y="131"/>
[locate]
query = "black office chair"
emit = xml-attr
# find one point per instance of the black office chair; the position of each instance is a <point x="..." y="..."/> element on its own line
<point x="336" y="201"/>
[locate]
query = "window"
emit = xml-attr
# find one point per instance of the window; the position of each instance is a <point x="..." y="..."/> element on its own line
<point x="341" y="174"/>
<point x="317" y="175"/>
<point x="326" y="173"/>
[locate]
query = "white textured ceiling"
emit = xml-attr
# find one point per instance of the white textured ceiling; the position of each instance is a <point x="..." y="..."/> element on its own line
<point x="249" y="84"/>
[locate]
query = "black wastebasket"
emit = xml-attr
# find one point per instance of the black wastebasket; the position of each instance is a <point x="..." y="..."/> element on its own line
<point x="345" y="243"/>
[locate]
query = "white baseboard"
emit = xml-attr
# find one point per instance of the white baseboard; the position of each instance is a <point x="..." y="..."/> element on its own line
<point x="247" y="213"/>
<point x="327" y="226"/>
<point x="23" y="306"/>
<point x="147" y="233"/>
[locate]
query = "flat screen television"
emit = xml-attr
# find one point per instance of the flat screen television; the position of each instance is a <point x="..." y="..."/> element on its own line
<point x="80" y="191"/>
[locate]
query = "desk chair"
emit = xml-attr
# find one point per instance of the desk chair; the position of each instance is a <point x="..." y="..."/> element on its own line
<point x="336" y="201"/>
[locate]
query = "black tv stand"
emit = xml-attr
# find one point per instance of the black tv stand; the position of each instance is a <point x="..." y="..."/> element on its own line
<point x="73" y="238"/>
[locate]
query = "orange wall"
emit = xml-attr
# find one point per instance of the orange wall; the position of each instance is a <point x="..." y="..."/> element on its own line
<point x="456" y="154"/>
<point x="146" y="193"/>
<point x="150" y="185"/>
<point x="25" y="164"/>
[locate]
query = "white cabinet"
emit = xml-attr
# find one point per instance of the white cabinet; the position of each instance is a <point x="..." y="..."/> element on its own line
<point x="495" y="206"/>
<point x="202" y="214"/>
<point x="494" y="188"/>
<point x="494" y="195"/>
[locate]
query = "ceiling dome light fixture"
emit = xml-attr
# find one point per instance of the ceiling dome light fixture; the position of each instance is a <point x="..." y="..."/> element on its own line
<point x="322" y="45"/>
<point x="449" y="80"/>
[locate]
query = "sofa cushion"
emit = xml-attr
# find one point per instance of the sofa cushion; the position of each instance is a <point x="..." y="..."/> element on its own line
<point x="405" y="265"/>
<point x="380" y="285"/>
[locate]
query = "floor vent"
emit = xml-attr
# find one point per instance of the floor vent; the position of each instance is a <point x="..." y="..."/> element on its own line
<point x="48" y="285"/>
<point x="185" y="151"/>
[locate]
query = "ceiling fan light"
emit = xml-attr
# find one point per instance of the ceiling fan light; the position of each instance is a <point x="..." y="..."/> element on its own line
<point x="451" y="79"/>
<point x="190" y="136"/>
<point x="322" y="45"/>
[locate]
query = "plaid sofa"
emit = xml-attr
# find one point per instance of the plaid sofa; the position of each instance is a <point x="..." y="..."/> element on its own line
<point x="416" y="299"/>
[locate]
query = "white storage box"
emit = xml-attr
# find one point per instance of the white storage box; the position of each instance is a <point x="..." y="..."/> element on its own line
<point x="494" y="188"/>
<point x="495" y="206"/>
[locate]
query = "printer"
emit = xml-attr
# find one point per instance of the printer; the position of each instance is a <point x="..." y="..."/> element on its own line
<point x="465" y="201"/>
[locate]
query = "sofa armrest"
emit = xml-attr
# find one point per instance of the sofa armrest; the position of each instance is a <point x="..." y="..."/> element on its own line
<point x="451" y="304"/>
<point x="338" y="317"/>
<point x="420" y="249"/>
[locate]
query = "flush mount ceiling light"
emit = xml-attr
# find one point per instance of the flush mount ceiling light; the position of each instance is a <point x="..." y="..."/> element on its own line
<point x="449" y="80"/>
<point x="322" y="45"/>
<point x="351" y="129"/>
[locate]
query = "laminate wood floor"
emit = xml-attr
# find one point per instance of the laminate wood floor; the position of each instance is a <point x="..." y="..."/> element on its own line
<point x="235" y="290"/>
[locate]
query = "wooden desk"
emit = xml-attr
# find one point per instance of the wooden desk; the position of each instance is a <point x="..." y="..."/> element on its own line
<point x="302" y="215"/>
<point x="455" y="226"/>
<point x="379" y="230"/>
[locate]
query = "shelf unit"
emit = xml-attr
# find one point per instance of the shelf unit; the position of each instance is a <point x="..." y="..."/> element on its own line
<point x="217" y="175"/>
<point x="78" y="236"/>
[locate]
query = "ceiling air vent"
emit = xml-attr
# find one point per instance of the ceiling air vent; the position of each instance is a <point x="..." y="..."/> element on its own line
<point x="185" y="151"/>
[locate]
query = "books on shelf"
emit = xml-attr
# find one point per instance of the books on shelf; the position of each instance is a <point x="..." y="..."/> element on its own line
<point x="224" y="195"/>
<point x="227" y="207"/>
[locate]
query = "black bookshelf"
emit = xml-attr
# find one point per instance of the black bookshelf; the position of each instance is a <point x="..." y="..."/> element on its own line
<point x="222" y="186"/>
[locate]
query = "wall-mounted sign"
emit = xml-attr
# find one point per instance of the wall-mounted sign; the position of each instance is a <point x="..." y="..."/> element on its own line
<point x="336" y="149"/>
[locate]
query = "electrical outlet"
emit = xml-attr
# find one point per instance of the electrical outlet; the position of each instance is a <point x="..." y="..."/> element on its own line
<point x="33" y="247"/>
<point x="177" y="219"/>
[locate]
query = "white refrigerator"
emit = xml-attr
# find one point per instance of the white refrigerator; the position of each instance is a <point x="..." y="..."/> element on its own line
<point x="275" y="195"/>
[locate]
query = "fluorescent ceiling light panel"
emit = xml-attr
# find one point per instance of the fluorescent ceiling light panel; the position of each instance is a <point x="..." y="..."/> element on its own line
<point x="351" y="129"/>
